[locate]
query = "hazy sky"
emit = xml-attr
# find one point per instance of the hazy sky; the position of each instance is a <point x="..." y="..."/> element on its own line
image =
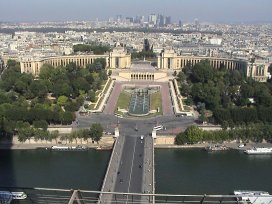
<point x="185" y="10"/>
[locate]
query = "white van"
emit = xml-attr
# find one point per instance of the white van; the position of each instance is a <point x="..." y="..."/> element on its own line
<point x="142" y="137"/>
<point x="160" y="127"/>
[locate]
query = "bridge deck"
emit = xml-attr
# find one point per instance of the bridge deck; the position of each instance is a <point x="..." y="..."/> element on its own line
<point x="130" y="169"/>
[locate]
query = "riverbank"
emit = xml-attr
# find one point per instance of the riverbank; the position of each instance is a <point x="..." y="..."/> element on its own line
<point x="43" y="146"/>
<point x="231" y="145"/>
<point x="32" y="144"/>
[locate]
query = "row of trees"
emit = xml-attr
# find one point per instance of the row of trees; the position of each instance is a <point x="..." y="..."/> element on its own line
<point x="96" y="49"/>
<point x="52" y="99"/>
<point x="230" y="96"/>
<point x="26" y="132"/>
<point x="70" y="81"/>
<point x="241" y="115"/>
<point x="253" y="132"/>
<point x="143" y="54"/>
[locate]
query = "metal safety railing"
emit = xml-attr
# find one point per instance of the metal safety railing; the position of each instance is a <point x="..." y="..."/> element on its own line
<point x="66" y="196"/>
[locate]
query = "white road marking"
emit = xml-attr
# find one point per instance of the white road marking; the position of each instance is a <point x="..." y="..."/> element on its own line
<point x="131" y="168"/>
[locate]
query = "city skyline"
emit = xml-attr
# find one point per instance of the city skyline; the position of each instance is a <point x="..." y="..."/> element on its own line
<point x="227" y="11"/>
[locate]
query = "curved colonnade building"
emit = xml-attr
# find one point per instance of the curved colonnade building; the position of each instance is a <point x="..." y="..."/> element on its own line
<point x="168" y="60"/>
<point x="118" y="58"/>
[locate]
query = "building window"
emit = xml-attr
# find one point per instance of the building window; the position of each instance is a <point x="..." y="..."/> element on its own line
<point x="168" y="63"/>
<point x="117" y="62"/>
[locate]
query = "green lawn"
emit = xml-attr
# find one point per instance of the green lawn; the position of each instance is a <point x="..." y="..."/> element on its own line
<point x="123" y="100"/>
<point x="186" y="108"/>
<point x="156" y="101"/>
<point x="91" y="107"/>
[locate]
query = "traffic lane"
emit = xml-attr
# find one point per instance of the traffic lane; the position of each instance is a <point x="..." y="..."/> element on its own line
<point x="136" y="182"/>
<point x="124" y="170"/>
<point x="130" y="174"/>
<point x="137" y="171"/>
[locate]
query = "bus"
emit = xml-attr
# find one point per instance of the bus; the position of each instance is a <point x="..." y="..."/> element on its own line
<point x="159" y="127"/>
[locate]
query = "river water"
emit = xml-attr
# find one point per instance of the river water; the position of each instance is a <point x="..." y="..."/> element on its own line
<point x="177" y="171"/>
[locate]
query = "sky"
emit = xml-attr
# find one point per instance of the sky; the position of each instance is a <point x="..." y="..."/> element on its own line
<point x="232" y="11"/>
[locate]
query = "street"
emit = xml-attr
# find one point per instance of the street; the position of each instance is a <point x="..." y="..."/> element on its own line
<point x="127" y="126"/>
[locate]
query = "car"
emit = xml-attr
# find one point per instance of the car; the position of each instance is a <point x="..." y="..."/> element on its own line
<point x="241" y="145"/>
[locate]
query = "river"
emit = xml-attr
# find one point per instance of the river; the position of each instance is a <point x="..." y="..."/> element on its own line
<point x="177" y="171"/>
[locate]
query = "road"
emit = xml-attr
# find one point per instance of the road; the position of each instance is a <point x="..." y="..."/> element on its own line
<point x="130" y="172"/>
<point x="130" y="169"/>
<point x="127" y="126"/>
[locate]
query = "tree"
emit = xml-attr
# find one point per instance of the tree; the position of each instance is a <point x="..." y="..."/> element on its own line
<point x="185" y="89"/>
<point x="100" y="63"/>
<point x="20" y="87"/>
<point x="90" y="78"/>
<point x="53" y="135"/>
<point x="221" y="115"/>
<point x="103" y="75"/>
<point x="62" y="88"/>
<point x="66" y="117"/>
<point x="247" y="91"/>
<point x="91" y="67"/>
<point x="4" y="98"/>
<point x="202" y="117"/>
<point x="235" y="78"/>
<point x="181" y="76"/>
<point x="40" y="134"/>
<point x="46" y="72"/>
<point x="11" y="63"/>
<point x="202" y="72"/>
<point x="96" y="132"/>
<point x="25" y="134"/>
<point x="193" y="134"/>
<point x="80" y="83"/>
<point x="181" y="139"/>
<point x="62" y="100"/>
<point x="91" y="96"/>
<point x="97" y="49"/>
<point x="40" y="124"/>
<point x="38" y="89"/>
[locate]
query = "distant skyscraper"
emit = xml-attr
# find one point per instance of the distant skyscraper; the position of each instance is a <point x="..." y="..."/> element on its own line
<point x="197" y="25"/>
<point x="180" y="23"/>
<point x="160" y="21"/>
<point x="129" y="19"/>
<point x="119" y="18"/>
<point x="167" y="20"/>
<point x="152" y="19"/>
<point x="139" y="19"/>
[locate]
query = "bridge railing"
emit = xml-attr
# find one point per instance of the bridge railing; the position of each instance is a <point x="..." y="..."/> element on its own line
<point x="61" y="196"/>
<point x="110" y="176"/>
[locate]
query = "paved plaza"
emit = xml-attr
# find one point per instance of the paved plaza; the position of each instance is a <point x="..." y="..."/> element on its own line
<point x="167" y="106"/>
